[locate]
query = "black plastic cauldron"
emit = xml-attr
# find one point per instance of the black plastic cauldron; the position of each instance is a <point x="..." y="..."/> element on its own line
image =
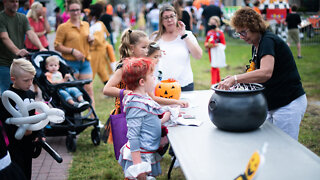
<point x="238" y="110"/>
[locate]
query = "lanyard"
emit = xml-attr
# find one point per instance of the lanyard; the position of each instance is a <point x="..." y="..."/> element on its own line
<point x="4" y="135"/>
<point x="254" y="55"/>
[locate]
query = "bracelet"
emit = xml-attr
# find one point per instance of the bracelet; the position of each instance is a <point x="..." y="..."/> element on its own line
<point x="184" y="36"/>
<point x="235" y="79"/>
<point x="72" y="51"/>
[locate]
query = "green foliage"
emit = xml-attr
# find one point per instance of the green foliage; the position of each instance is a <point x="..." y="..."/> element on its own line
<point x="98" y="162"/>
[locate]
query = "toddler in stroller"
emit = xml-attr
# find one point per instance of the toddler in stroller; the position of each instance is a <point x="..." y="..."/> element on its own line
<point x="54" y="76"/>
<point x="78" y="115"/>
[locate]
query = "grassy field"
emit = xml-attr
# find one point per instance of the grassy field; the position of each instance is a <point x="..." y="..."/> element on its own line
<point x="98" y="162"/>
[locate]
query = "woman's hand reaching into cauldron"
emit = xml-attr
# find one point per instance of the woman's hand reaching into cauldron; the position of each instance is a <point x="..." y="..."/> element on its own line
<point x="227" y="82"/>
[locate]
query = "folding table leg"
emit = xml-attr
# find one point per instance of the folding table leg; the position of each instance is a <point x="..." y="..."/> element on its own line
<point x="171" y="166"/>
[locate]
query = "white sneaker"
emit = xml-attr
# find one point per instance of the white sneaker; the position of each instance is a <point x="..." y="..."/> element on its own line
<point x="83" y="103"/>
<point x="100" y="125"/>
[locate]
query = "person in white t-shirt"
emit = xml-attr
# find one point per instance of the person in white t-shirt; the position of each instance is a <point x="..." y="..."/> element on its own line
<point x="153" y="16"/>
<point x="177" y="45"/>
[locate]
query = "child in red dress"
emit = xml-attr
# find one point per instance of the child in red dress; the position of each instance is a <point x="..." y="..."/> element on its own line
<point x="215" y="42"/>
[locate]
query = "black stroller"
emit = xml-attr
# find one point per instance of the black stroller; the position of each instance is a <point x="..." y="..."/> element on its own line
<point x="76" y="119"/>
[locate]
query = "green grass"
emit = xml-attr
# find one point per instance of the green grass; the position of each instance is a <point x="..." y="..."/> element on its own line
<point x="98" y="162"/>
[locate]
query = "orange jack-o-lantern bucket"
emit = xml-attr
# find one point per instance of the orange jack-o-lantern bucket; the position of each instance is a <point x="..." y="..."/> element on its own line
<point x="170" y="89"/>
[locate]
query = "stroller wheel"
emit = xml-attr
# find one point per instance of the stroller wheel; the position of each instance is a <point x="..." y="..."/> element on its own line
<point x="95" y="136"/>
<point x="71" y="143"/>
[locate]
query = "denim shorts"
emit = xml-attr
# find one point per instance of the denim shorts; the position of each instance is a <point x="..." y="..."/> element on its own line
<point x="70" y="92"/>
<point x="4" y="78"/>
<point x="80" y="67"/>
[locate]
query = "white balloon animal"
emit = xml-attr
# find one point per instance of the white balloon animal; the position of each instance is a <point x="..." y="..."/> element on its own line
<point x="21" y="116"/>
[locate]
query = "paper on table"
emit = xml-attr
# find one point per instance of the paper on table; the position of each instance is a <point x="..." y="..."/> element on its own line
<point x="187" y="95"/>
<point x="189" y="122"/>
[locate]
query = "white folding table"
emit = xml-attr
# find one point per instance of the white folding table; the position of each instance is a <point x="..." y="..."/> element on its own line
<point x="206" y="152"/>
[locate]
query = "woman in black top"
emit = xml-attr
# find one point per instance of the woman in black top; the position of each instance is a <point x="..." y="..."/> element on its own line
<point x="274" y="67"/>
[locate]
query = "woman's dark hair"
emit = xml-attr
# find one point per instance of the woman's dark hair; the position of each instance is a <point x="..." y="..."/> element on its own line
<point x="96" y="10"/>
<point x="154" y="6"/>
<point x="294" y="7"/>
<point x="153" y="47"/>
<point x="57" y="10"/>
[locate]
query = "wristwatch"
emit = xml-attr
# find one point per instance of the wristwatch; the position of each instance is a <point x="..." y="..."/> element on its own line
<point x="184" y="36"/>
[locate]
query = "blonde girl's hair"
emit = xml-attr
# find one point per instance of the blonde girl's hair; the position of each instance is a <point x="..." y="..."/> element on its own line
<point x="21" y="65"/>
<point x="33" y="10"/>
<point x="216" y="18"/>
<point x="129" y="37"/>
<point x="52" y="59"/>
<point x="162" y="30"/>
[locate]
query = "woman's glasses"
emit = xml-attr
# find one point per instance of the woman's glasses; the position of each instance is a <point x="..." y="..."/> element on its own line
<point x="167" y="18"/>
<point x="74" y="10"/>
<point x="241" y="33"/>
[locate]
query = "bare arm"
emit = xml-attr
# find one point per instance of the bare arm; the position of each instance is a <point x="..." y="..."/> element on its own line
<point x="46" y="22"/>
<point x="165" y="101"/>
<point x="194" y="48"/>
<point x="35" y="40"/>
<point x="39" y="34"/>
<point x="110" y="89"/>
<point x="165" y="117"/>
<point x="257" y="76"/>
<point x="68" y="50"/>
<point x="49" y="78"/>
<point x="136" y="158"/>
<point x="8" y="43"/>
<point x="46" y="25"/>
<point x="63" y="49"/>
<point x="11" y="46"/>
<point x="57" y="82"/>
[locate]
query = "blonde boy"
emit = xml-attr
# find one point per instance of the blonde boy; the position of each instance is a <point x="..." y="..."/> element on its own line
<point x="22" y="73"/>
<point x="21" y="151"/>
